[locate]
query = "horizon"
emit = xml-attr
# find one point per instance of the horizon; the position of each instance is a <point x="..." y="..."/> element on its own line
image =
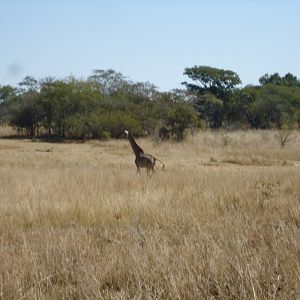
<point x="148" y="42"/>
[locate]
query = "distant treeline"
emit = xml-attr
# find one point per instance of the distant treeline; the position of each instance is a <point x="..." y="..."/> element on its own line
<point x="106" y="103"/>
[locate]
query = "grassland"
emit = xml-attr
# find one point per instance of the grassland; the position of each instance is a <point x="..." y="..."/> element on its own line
<point x="223" y="221"/>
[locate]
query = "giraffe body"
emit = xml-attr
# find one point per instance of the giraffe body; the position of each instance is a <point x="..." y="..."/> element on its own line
<point x="145" y="161"/>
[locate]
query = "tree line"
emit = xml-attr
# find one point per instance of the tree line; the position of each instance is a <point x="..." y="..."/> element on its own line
<point x="107" y="102"/>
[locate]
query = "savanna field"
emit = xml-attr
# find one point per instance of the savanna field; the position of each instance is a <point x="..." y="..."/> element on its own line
<point x="223" y="221"/>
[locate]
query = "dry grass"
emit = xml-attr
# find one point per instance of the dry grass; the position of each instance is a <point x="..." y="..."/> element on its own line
<point x="222" y="223"/>
<point x="6" y="130"/>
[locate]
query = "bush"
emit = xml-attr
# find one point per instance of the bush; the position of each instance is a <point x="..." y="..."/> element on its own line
<point x="77" y="126"/>
<point x="180" y="118"/>
<point x="104" y="135"/>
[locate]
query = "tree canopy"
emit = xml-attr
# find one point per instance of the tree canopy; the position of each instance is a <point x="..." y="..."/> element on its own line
<point x="275" y="79"/>
<point x="216" y="95"/>
<point x="107" y="102"/>
<point x="101" y="106"/>
<point x="207" y="79"/>
<point x="213" y="89"/>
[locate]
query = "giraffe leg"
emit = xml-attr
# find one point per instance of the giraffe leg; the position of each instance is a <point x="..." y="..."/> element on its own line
<point x="150" y="171"/>
<point x="138" y="169"/>
<point x="153" y="170"/>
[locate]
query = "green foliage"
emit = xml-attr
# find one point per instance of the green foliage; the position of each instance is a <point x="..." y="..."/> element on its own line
<point x="219" y="82"/>
<point x="210" y="109"/>
<point x="29" y="84"/>
<point x="115" y="122"/>
<point x="215" y="95"/>
<point x="77" y="126"/>
<point x="107" y="102"/>
<point x="212" y="89"/>
<point x="269" y="106"/>
<point x="180" y="118"/>
<point x="6" y="92"/>
<point x="105" y="135"/>
<point x="242" y="106"/>
<point x="109" y="81"/>
<point x="100" y="107"/>
<point x="275" y="79"/>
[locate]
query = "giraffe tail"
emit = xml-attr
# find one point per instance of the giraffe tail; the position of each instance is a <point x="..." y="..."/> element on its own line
<point x="163" y="165"/>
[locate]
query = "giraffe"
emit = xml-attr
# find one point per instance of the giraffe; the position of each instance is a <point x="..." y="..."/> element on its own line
<point x="143" y="160"/>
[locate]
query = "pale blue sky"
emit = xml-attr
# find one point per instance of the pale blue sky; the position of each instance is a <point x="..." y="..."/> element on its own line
<point x="150" y="40"/>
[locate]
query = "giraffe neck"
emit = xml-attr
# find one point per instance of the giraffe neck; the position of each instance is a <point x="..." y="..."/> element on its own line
<point x="135" y="147"/>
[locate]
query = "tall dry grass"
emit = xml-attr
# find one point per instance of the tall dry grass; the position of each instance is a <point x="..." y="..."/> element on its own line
<point x="6" y="131"/>
<point x="223" y="222"/>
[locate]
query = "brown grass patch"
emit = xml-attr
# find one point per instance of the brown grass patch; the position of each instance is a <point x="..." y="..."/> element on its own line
<point x="77" y="222"/>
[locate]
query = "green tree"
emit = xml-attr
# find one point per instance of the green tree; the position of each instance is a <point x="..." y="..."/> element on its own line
<point x="267" y="106"/>
<point x="7" y="93"/>
<point x="210" y="109"/>
<point x="274" y="106"/>
<point x="29" y="84"/>
<point x="275" y="79"/>
<point x="109" y="81"/>
<point x="25" y="109"/>
<point x="218" y="82"/>
<point x="181" y="117"/>
<point x="26" y="113"/>
<point x="213" y="89"/>
<point x="243" y="108"/>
